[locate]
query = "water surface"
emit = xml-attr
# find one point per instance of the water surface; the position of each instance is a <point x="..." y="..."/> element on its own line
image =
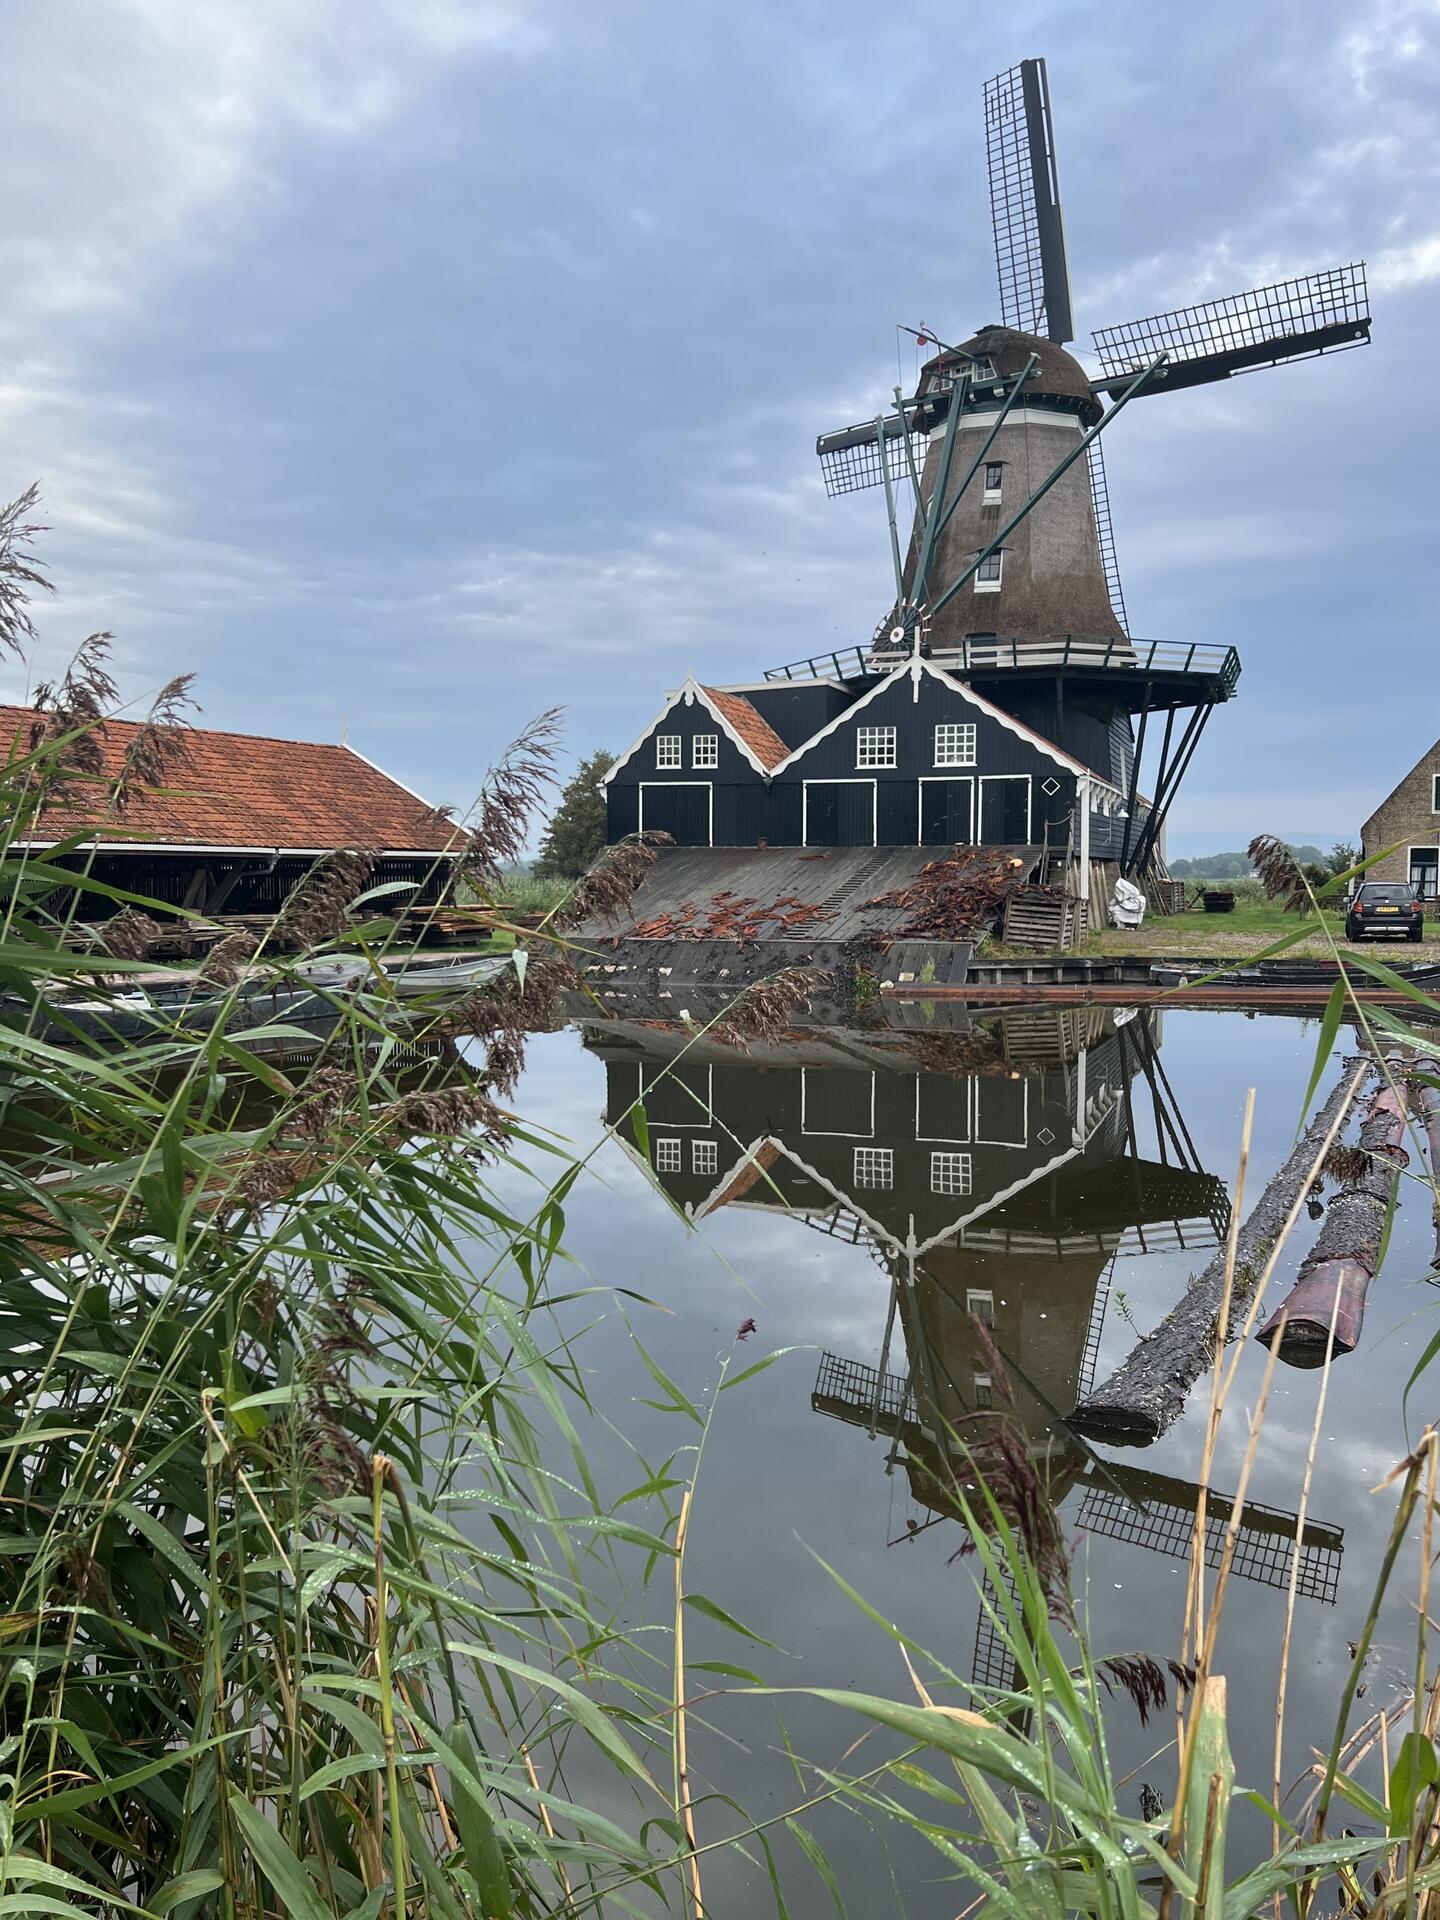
<point x="858" y="1195"/>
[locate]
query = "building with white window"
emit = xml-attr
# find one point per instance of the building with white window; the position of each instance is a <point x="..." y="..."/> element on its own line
<point x="1405" y="830"/>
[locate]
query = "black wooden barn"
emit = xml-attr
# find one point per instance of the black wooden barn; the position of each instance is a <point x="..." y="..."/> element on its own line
<point x="912" y="757"/>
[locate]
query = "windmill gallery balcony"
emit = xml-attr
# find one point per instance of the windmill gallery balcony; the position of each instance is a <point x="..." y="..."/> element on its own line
<point x="1190" y="670"/>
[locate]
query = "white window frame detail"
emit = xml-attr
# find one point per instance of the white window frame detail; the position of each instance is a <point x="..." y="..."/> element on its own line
<point x="833" y="1133"/>
<point x="1423" y="846"/>
<point x="877" y="1160"/>
<point x="881" y="737"/>
<point x="669" y="786"/>
<point x="710" y="757"/>
<point x="982" y="1386"/>
<point x="947" y="779"/>
<point x="943" y="1166"/>
<point x="805" y="786"/>
<point x="966" y="747"/>
<point x="705" y="1114"/>
<point x="997" y="559"/>
<point x="979" y="820"/>
<point x="1435" y="793"/>
<point x="949" y="1139"/>
<point x="991" y="495"/>
<point x="981" y="1302"/>
<point x="668" y="1156"/>
<point x="669" y="752"/>
<point x="1017" y="1146"/>
<point x="704" y="1156"/>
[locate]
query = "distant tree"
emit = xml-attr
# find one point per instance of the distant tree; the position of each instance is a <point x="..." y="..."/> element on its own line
<point x="576" y="832"/>
<point x="1342" y="856"/>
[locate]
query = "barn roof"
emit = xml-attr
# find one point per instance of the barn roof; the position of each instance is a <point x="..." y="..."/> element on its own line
<point x="751" y="725"/>
<point x="241" y="790"/>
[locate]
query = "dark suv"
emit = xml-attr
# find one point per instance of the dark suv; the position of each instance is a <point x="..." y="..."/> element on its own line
<point x="1385" y="906"/>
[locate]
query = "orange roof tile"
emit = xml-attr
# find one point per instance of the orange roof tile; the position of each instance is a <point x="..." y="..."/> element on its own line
<point x="240" y="790"/>
<point x="751" y="725"/>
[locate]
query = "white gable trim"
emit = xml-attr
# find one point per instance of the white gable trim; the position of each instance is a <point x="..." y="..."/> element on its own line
<point x="833" y="726"/>
<point x="688" y="695"/>
<point x="914" y="668"/>
<point x="1020" y="730"/>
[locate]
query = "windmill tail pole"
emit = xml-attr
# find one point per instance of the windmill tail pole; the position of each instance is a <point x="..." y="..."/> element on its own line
<point x="1326" y="1306"/>
<point x="1144" y="1397"/>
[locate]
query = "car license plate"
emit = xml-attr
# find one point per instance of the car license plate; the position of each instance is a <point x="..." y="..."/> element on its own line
<point x="1387" y="909"/>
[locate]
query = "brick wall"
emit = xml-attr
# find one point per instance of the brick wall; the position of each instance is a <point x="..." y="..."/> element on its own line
<point x="1407" y="817"/>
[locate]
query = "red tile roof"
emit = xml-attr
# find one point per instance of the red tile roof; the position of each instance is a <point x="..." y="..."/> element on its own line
<point x="751" y="725"/>
<point x="239" y="790"/>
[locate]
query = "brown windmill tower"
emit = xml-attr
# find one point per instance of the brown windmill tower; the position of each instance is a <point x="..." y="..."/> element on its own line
<point x="1008" y="577"/>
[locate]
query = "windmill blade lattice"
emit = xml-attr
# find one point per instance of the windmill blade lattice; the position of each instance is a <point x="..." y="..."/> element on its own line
<point x="1104" y="528"/>
<point x="1025" y="203"/>
<point x="850" y="459"/>
<point x="1322" y="312"/>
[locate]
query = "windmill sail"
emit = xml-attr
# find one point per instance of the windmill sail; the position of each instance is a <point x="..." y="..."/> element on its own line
<point x="850" y="458"/>
<point x="1025" y="203"/>
<point x="1100" y="495"/>
<point x="1291" y="320"/>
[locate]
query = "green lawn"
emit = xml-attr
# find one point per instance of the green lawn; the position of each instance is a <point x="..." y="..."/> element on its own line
<point x="1248" y="930"/>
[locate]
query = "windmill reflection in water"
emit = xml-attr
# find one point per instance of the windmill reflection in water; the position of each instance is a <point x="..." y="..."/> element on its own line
<point x="993" y="1171"/>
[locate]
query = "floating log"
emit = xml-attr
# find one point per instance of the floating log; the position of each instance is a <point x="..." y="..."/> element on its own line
<point x="1146" y="1395"/>
<point x="1425" y="1101"/>
<point x="1327" y="1302"/>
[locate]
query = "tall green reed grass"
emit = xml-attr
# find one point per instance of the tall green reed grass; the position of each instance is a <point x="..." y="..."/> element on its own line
<point x="306" y="1584"/>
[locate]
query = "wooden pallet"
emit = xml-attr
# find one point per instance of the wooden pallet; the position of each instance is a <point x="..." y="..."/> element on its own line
<point x="1045" y="922"/>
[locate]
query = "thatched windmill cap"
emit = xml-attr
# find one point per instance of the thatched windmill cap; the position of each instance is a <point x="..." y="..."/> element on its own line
<point x="1058" y="376"/>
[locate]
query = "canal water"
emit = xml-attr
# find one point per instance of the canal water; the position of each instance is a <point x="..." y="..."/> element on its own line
<point x="856" y="1195"/>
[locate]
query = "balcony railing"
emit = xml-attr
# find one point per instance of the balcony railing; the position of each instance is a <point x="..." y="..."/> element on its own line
<point x="1090" y="653"/>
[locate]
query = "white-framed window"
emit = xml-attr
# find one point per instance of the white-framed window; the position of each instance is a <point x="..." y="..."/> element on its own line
<point x="667" y="750"/>
<point x="994" y="480"/>
<point x="667" y="1155"/>
<point x="950" y="1173"/>
<point x="875" y="746"/>
<point x="704" y="1156"/>
<point x="705" y="750"/>
<point x="874" y="1167"/>
<point x="1435" y="794"/>
<point x="983" y="1390"/>
<point x="955" y="744"/>
<point x="1425" y="872"/>
<point x="980" y="1301"/>
<point x="987" y="574"/>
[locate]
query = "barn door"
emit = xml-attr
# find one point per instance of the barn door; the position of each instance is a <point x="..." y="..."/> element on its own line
<point x="679" y="808"/>
<point x="945" y="812"/>
<point x="1005" y="810"/>
<point x="840" y="813"/>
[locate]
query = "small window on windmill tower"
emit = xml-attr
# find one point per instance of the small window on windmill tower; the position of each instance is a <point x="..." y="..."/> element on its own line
<point x="994" y="479"/>
<point x="987" y="574"/>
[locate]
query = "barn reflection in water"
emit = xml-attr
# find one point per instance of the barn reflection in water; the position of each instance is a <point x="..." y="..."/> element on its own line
<point x="993" y="1171"/>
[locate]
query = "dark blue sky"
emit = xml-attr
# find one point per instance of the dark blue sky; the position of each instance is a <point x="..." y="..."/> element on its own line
<point x="408" y="368"/>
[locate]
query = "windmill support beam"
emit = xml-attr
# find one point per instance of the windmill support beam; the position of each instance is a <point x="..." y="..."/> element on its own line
<point x="894" y="526"/>
<point x="1057" y="472"/>
<point x="1133" y="796"/>
<point x="937" y="498"/>
<point x="1168" y="786"/>
<point x="1010" y="399"/>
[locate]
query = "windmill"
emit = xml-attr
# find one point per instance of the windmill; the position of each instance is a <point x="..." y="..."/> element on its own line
<point x="1009" y="575"/>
